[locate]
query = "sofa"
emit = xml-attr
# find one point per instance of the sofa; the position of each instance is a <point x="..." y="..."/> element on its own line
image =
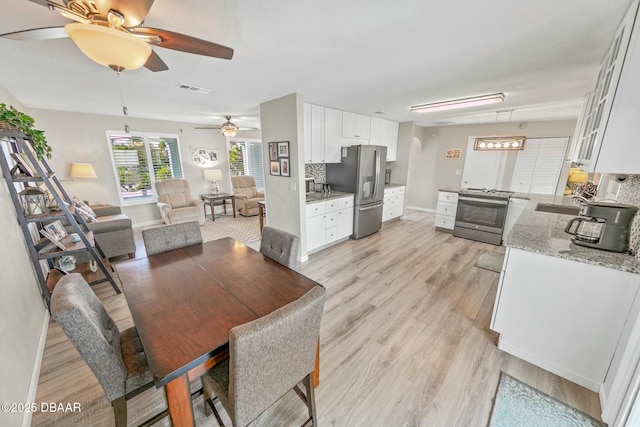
<point x="112" y="230"/>
<point x="176" y="203"/>
<point x="246" y="194"/>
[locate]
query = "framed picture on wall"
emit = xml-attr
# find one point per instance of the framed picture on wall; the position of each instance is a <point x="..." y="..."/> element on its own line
<point x="284" y="167"/>
<point x="279" y="158"/>
<point x="274" y="168"/>
<point x="283" y="149"/>
<point x="273" y="151"/>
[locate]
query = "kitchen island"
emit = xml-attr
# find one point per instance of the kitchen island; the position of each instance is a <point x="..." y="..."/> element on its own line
<point x="561" y="306"/>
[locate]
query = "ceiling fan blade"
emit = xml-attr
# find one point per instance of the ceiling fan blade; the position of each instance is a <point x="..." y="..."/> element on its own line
<point x="44" y="33"/>
<point x="184" y="43"/>
<point x="134" y="12"/>
<point x="155" y="63"/>
<point x="208" y="127"/>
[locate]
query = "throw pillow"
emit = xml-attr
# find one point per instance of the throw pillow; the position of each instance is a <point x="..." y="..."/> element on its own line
<point x="85" y="215"/>
<point x="82" y="205"/>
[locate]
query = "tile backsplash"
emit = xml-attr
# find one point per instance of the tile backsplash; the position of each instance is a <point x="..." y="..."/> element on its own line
<point x="317" y="170"/>
<point x="630" y="194"/>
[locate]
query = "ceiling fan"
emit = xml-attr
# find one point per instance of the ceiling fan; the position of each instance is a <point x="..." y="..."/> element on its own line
<point x="111" y="32"/>
<point x="228" y="128"/>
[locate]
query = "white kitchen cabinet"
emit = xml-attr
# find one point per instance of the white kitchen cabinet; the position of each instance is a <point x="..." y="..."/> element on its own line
<point x="446" y="210"/>
<point x="332" y="135"/>
<point x="322" y="131"/>
<point x="385" y="132"/>
<point x="356" y="126"/>
<point x="561" y="315"/>
<point x="607" y="131"/>
<point x="393" y="206"/>
<point x="329" y="221"/>
<point x="314" y="133"/>
<point x="515" y="209"/>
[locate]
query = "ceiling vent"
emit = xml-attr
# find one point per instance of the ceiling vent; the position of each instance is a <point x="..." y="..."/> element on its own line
<point x="193" y="88"/>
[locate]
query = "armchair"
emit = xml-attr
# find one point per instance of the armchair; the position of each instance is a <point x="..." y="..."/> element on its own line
<point x="246" y="194"/>
<point x="176" y="203"/>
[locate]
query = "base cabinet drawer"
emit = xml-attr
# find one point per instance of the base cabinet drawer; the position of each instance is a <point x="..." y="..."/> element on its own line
<point x="445" y="221"/>
<point x="446" y="208"/>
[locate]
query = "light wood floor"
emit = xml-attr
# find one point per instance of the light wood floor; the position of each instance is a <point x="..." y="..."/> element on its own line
<point x="405" y="341"/>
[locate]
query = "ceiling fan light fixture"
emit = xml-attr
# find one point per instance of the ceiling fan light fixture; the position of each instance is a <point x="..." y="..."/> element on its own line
<point x="109" y="47"/>
<point x="228" y="129"/>
<point x="459" y="103"/>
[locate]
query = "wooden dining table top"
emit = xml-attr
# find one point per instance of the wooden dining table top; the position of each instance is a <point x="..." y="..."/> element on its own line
<point x="184" y="302"/>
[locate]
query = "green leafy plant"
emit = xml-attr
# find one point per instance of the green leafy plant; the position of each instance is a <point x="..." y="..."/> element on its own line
<point x="24" y="123"/>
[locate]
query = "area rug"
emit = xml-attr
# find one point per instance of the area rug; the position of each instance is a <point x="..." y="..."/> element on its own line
<point x="490" y="261"/>
<point x="518" y="405"/>
<point x="243" y="228"/>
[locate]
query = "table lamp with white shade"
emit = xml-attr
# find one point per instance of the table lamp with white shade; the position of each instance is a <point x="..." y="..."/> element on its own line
<point x="82" y="170"/>
<point x="213" y="176"/>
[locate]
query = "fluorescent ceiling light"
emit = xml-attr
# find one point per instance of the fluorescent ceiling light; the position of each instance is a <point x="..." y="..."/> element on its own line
<point x="459" y="103"/>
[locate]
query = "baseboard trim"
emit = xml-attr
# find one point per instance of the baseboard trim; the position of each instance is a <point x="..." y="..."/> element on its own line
<point x="416" y="208"/>
<point x="551" y="367"/>
<point x="35" y="374"/>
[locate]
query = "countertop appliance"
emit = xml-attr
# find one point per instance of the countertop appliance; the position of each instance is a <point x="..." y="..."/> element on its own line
<point x="361" y="172"/>
<point x="481" y="214"/>
<point x="309" y="185"/>
<point x="603" y="226"/>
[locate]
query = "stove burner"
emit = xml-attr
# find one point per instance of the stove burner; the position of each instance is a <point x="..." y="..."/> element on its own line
<point x="493" y="193"/>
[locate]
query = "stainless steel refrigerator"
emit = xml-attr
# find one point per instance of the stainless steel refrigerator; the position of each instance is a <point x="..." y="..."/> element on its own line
<point x="361" y="172"/>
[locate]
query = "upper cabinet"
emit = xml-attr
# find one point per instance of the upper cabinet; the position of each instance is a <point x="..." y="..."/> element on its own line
<point x="608" y="126"/>
<point x="385" y="132"/>
<point x="356" y="126"/>
<point x="322" y="130"/>
<point x="327" y="130"/>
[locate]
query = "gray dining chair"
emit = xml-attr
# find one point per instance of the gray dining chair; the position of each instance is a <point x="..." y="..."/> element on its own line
<point x="116" y="358"/>
<point x="169" y="237"/>
<point x="279" y="245"/>
<point x="268" y="357"/>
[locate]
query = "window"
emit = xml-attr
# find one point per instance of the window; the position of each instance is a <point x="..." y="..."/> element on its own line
<point x="245" y="158"/>
<point x="141" y="159"/>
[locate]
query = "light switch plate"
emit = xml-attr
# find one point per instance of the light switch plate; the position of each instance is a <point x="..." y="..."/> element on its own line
<point x="292" y="186"/>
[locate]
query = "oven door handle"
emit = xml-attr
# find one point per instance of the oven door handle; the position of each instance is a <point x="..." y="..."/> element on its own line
<point x="473" y="199"/>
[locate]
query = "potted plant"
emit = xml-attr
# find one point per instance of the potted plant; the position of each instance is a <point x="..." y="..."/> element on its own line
<point x="12" y="119"/>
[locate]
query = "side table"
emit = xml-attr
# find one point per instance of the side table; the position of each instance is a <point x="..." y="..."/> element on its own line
<point x="220" y="197"/>
<point x="262" y="210"/>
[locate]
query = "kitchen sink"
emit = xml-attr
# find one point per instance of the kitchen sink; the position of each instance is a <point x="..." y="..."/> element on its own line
<point x="558" y="209"/>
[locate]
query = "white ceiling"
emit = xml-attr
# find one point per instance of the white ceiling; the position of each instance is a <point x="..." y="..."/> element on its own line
<point x="356" y="55"/>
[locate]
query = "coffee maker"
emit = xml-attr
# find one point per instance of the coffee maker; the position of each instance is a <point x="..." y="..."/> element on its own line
<point x="603" y="226"/>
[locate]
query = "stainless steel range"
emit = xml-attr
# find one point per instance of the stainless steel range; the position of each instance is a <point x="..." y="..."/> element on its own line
<point x="481" y="214"/>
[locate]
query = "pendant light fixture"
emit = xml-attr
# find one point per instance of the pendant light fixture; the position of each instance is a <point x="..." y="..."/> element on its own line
<point x="494" y="143"/>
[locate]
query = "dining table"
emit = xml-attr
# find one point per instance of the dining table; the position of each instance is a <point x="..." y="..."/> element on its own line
<point x="185" y="301"/>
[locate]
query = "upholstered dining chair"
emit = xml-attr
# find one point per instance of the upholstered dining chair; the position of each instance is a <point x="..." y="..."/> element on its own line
<point x="268" y="357"/>
<point x="176" y="203"/>
<point x="169" y="237"/>
<point x="116" y="358"/>
<point x="279" y="245"/>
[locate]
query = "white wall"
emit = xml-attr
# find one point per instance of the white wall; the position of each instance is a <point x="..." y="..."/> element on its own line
<point x="282" y="120"/>
<point x="24" y="318"/>
<point x="429" y="171"/>
<point x="78" y="137"/>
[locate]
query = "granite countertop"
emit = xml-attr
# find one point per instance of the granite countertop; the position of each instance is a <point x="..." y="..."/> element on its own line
<point x="392" y="185"/>
<point x="321" y="197"/>
<point x="450" y="189"/>
<point x="543" y="233"/>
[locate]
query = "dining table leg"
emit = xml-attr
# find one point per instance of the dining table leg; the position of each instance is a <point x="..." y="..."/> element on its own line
<point x="179" y="403"/>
